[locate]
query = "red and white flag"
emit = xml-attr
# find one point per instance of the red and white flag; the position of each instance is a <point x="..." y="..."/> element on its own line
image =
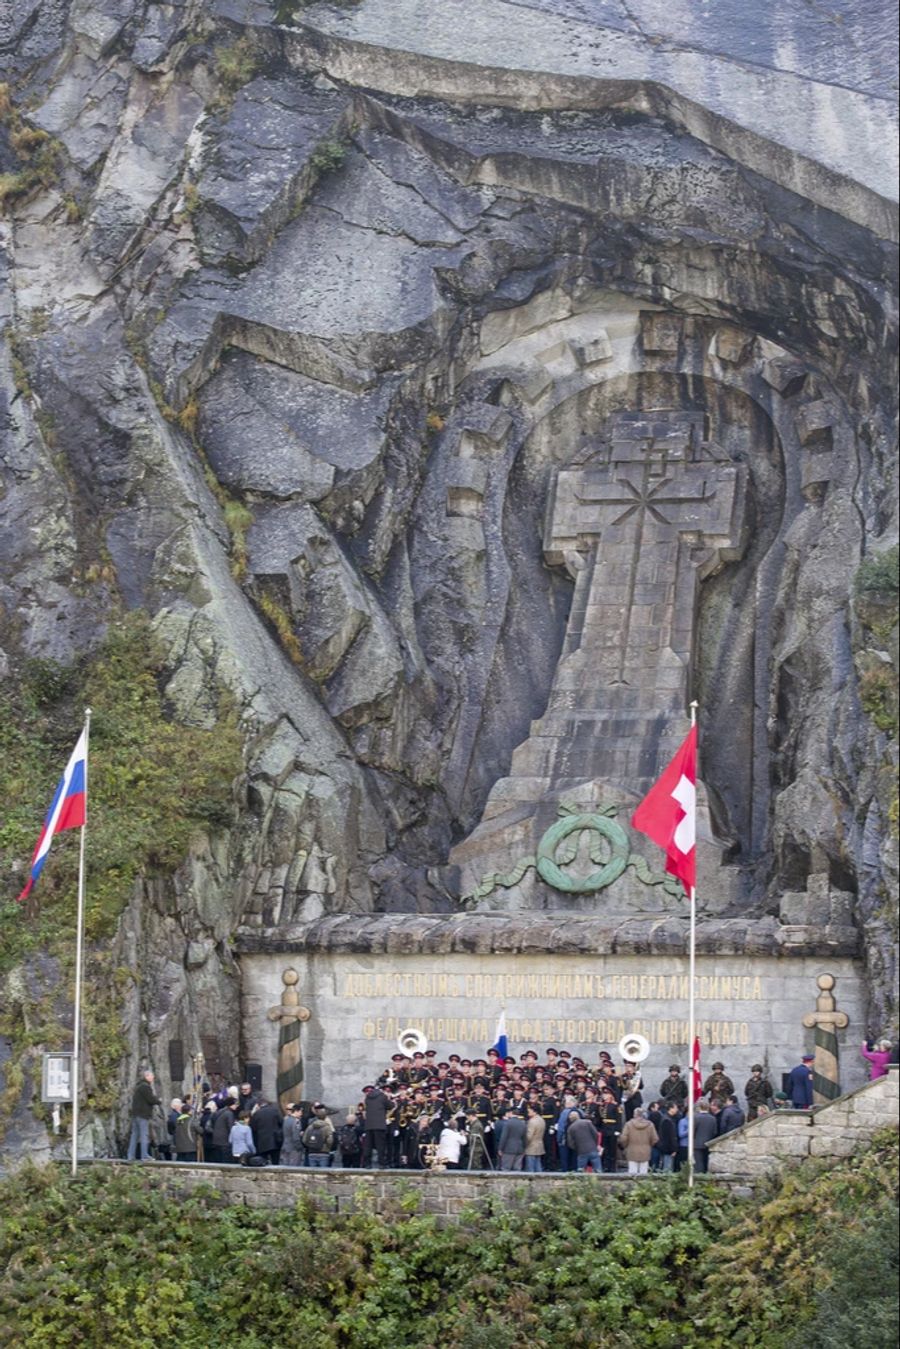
<point x="696" y="1075"/>
<point x="668" y="813"/>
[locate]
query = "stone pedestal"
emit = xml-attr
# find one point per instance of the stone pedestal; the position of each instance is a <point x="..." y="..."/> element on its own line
<point x="570" y="982"/>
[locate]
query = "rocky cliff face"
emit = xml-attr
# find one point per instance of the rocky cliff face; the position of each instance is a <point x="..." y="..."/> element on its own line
<point x="302" y="309"/>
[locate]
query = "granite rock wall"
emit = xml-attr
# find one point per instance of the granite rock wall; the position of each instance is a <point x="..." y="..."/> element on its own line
<point x="299" y="322"/>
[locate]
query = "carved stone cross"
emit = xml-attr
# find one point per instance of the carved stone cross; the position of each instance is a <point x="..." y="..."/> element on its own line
<point x="652" y="511"/>
<point x="635" y="527"/>
<point x="649" y="512"/>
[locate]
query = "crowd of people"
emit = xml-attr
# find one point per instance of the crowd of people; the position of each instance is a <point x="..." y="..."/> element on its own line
<point x="557" y="1115"/>
<point x="490" y="1113"/>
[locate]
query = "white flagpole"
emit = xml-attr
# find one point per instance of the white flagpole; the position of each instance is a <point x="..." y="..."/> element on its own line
<point x="692" y="956"/>
<point x="79" y="955"/>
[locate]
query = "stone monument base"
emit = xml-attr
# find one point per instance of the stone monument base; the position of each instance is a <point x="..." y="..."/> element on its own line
<point x="571" y="982"/>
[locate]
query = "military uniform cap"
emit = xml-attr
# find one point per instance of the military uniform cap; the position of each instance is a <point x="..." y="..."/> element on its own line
<point x="718" y="1067"/>
<point x="674" y="1068"/>
<point x="397" y="1058"/>
<point x="756" y="1068"/>
<point x="444" y="1065"/>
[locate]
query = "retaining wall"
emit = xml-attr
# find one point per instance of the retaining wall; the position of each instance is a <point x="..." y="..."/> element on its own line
<point x="835" y="1130"/>
<point x="336" y="1190"/>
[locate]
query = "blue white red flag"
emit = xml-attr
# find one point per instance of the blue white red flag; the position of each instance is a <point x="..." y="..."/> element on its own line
<point x="68" y="809"/>
<point x="501" y="1044"/>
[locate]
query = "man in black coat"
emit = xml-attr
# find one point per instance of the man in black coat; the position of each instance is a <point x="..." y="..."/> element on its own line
<point x="377" y="1104"/>
<point x="223" y="1123"/>
<point x="668" y="1136"/>
<point x="706" y="1128"/>
<point x="732" y="1116"/>
<point x="143" y="1100"/>
<point x="610" y="1128"/>
<point x="265" y="1125"/>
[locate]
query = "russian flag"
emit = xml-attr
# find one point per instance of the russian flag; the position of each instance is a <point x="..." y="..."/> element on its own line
<point x="501" y="1044"/>
<point x="68" y="809"/>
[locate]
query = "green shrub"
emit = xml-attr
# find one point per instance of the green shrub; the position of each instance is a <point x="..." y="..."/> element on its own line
<point x="110" y="1259"/>
<point x="880" y="572"/>
<point x="328" y="155"/>
<point x="859" y="1302"/>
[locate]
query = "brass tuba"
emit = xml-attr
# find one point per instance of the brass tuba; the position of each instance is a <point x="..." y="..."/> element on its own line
<point x="411" y="1041"/>
<point x="634" y="1048"/>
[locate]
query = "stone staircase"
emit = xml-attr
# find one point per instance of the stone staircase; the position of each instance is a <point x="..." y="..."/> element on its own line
<point x="837" y="1129"/>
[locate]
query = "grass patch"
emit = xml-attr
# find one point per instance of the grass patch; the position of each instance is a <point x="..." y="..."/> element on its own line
<point x="38" y="156"/>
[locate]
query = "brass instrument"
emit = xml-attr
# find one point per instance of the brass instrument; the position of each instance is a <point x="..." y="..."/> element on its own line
<point x="634" y="1048"/>
<point x="411" y="1041"/>
<point x="198" y="1072"/>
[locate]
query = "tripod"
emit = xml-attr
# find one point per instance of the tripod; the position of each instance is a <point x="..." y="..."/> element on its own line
<point x="476" y="1144"/>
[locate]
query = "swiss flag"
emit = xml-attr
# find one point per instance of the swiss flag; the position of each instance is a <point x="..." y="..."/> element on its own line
<point x="696" y="1075"/>
<point x="668" y="813"/>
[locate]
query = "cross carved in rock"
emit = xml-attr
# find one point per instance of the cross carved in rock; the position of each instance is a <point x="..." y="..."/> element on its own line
<point x="656" y="507"/>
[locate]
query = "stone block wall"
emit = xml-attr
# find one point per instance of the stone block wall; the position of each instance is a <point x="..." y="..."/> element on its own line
<point x="444" y="1194"/>
<point x="340" y="1190"/>
<point x="835" y="1130"/>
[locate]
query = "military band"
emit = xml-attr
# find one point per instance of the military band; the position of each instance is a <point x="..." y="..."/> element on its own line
<point x="424" y="1096"/>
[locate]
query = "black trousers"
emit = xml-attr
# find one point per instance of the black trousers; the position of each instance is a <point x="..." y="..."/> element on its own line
<point x="376" y="1142"/>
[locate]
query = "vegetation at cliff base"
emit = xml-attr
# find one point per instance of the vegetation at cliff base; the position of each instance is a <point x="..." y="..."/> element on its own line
<point x="153" y="785"/>
<point x="153" y="782"/>
<point x="110" y="1258"/>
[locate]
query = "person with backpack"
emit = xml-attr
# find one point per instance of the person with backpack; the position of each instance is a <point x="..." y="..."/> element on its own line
<point x="318" y="1138"/>
<point x="186" y="1133"/>
<point x="350" y="1141"/>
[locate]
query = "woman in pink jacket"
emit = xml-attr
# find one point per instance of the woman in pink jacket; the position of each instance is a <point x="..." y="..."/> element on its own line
<point x="879" y="1056"/>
